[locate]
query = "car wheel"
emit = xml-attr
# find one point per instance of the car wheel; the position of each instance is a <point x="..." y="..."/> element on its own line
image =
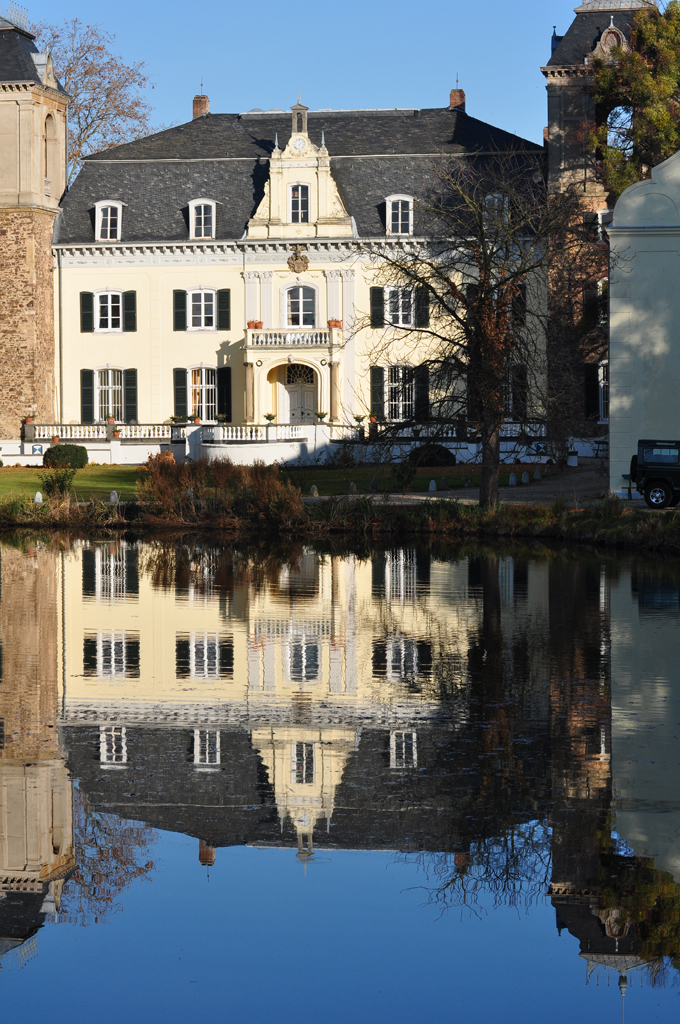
<point x="658" y="494"/>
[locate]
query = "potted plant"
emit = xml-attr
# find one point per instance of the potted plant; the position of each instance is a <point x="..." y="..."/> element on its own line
<point x="116" y="433"/>
<point x="258" y="325"/>
<point x="270" y="417"/>
<point x="55" y="439"/>
<point x="29" y="419"/>
<point x="359" y="419"/>
<point x="197" y="420"/>
<point x="110" y="420"/>
<point x="178" y="419"/>
<point x="416" y="431"/>
<point x="334" y="322"/>
<point x="320" y="416"/>
<point x="251" y="325"/>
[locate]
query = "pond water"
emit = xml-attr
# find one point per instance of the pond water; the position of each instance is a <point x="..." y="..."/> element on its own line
<point x="372" y="785"/>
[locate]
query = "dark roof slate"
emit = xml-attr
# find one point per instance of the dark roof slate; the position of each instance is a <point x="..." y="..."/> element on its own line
<point x="584" y="33"/>
<point x="16" y="47"/>
<point x="224" y="157"/>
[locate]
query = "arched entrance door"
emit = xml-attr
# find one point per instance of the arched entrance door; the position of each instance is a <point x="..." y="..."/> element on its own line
<point x="301" y="388"/>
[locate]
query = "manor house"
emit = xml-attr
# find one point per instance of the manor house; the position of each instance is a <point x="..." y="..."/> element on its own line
<point x="210" y="281"/>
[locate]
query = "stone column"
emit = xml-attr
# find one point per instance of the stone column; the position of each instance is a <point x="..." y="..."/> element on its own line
<point x="251" y="279"/>
<point x="349" y="382"/>
<point x="266" y="298"/>
<point x="250" y="392"/>
<point x="335" y="390"/>
<point x="333" y="277"/>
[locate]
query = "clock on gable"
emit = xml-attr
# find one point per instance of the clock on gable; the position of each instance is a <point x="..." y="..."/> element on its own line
<point x="299" y="145"/>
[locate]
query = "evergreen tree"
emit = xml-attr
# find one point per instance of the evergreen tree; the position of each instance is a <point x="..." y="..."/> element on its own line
<point x="637" y="96"/>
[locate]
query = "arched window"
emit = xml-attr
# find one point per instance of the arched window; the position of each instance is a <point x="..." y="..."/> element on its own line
<point x="108" y="394"/>
<point x="108" y="311"/>
<point x="49" y="154"/>
<point x="203" y="397"/>
<point x="299" y="204"/>
<point x="108" y="217"/>
<point x="399" y="211"/>
<point x="301" y="307"/>
<point x="201" y="219"/>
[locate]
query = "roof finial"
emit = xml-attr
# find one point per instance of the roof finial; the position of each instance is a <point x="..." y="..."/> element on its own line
<point x="276" y="140"/>
<point x="323" y="139"/>
<point x="201" y="85"/>
<point x="299" y="101"/>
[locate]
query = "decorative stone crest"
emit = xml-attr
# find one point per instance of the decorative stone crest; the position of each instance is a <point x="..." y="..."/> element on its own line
<point x="299" y="261"/>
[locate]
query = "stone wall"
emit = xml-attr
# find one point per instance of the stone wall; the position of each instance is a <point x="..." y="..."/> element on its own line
<point x="27" y="336"/>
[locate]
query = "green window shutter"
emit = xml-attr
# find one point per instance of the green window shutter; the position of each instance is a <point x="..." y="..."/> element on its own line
<point x="179" y="308"/>
<point x="378" y="391"/>
<point x="89" y="573"/>
<point x="131" y="658"/>
<point x="130" y="395"/>
<point x="129" y="311"/>
<point x="86" y="312"/>
<point x="180" y="384"/>
<point x="90" y="656"/>
<point x="87" y="396"/>
<point x="182" y="658"/>
<point x="422" y="393"/>
<point x="591" y="390"/>
<point x="224" y="309"/>
<point x="224" y="392"/>
<point x="131" y="570"/>
<point x="422" y="310"/>
<point x="226" y="657"/>
<point x="377" y="307"/>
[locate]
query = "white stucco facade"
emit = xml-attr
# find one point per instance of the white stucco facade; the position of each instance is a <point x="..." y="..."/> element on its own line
<point x="644" y="340"/>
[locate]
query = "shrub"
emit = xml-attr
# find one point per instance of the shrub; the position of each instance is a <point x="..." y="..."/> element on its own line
<point x="56" y="481"/>
<point x="431" y="454"/>
<point x="65" y="456"/>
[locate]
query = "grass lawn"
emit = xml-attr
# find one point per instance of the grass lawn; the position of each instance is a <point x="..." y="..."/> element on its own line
<point x="92" y="481"/>
<point x="337" y="481"/>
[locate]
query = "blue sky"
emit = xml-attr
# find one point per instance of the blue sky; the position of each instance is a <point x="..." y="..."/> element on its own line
<point x="357" y="53"/>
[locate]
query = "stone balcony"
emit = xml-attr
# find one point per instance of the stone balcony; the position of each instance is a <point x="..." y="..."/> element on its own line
<point x="294" y="337"/>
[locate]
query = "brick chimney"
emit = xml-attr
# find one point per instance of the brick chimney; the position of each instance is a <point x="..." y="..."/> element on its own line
<point x="206" y="854"/>
<point x="457" y="99"/>
<point x="201" y="106"/>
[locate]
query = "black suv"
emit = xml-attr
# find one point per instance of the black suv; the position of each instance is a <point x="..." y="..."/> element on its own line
<point x="655" y="471"/>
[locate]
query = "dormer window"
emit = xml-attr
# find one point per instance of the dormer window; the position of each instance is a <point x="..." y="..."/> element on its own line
<point x="299" y="204"/>
<point x="202" y="219"/>
<point x="399" y="215"/>
<point x="108" y="218"/>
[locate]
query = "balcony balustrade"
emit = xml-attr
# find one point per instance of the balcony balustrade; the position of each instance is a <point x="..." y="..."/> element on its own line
<point x="292" y="337"/>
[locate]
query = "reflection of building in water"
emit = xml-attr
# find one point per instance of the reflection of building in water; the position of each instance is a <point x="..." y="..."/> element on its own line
<point x="275" y="690"/>
<point x="36" y="826"/>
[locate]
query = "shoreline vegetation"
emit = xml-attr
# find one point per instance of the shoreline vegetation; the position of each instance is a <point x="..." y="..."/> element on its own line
<point x="256" y="501"/>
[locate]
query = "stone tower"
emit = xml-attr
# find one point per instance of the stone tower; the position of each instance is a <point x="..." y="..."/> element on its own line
<point x="32" y="180"/>
<point x="599" y="26"/>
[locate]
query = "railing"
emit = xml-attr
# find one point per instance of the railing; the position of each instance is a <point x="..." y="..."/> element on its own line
<point x="272" y="432"/>
<point x="162" y="431"/>
<point x="286" y="338"/>
<point x="71" y="431"/>
<point x="101" y="431"/>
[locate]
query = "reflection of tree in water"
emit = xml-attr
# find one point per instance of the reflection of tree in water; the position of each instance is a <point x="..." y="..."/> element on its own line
<point x="634" y="895"/>
<point x="514" y="869"/>
<point x="110" y="854"/>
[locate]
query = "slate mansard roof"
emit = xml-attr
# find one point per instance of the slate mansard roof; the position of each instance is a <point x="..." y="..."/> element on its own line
<point x="591" y="20"/>
<point x="17" y="56"/>
<point x="225" y="157"/>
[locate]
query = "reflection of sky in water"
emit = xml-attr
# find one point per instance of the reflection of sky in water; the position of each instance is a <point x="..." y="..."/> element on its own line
<point x="363" y="787"/>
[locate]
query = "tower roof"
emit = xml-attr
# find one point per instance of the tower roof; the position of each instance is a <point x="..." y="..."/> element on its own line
<point x="614" y="5"/>
<point x="20" y="60"/>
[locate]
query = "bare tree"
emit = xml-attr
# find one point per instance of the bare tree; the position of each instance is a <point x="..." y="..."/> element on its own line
<point x="472" y="290"/>
<point x="107" y="106"/>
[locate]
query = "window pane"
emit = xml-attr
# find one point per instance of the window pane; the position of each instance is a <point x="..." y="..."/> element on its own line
<point x="304" y="204"/>
<point x="196" y="310"/>
<point x="114" y="304"/>
<point x="208" y="304"/>
<point x="103" y="312"/>
<point x="113" y="222"/>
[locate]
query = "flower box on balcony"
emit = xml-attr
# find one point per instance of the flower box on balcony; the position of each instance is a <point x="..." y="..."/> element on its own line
<point x="255" y="325"/>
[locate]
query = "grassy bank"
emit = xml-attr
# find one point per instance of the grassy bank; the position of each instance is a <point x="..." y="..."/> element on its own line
<point x="92" y="482"/>
<point x="336" y="480"/>
<point x="257" y="504"/>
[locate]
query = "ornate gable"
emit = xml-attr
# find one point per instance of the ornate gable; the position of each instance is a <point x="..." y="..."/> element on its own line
<point x="301" y="199"/>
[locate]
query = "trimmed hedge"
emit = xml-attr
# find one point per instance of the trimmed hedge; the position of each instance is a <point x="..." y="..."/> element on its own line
<point x="65" y="456"/>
